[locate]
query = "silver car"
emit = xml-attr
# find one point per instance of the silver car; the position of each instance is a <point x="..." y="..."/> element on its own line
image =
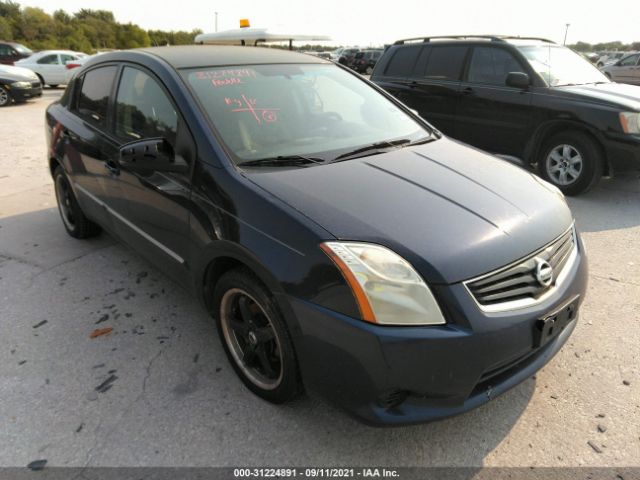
<point x="625" y="70"/>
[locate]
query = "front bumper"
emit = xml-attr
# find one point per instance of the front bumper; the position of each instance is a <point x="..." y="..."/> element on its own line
<point x="24" y="94"/>
<point x="623" y="152"/>
<point x="387" y="375"/>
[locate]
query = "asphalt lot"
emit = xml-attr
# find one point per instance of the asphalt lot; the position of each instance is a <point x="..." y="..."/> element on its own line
<point x="169" y="397"/>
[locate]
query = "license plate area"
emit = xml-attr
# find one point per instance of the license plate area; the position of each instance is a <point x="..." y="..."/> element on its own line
<point x="553" y="323"/>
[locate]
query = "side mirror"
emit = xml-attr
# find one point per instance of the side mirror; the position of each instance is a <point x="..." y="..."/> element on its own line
<point x="518" y="80"/>
<point x="151" y="154"/>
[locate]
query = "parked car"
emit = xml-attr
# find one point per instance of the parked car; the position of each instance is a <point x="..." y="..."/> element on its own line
<point x="525" y="98"/>
<point x="338" y="240"/>
<point x="608" y="58"/>
<point x="364" y="61"/>
<point x="346" y="56"/>
<point x="335" y="54"/>
<point x="17" y="85"/>
<point x="10" y="52"/>
<point x="72" y="66"/>
<point x="625" y="70"/>
<point x="49" y="65"/>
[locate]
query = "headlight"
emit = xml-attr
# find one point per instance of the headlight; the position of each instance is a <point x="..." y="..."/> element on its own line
<point x="387" y="288"/>
<point x="21" y="85"/>
<point x="630" y="122"/>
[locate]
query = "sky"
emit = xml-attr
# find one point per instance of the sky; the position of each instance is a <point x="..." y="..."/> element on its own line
<point x="369" y="23"/>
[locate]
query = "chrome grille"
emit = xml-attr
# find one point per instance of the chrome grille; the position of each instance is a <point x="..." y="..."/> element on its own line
<point x="520" y="282"/>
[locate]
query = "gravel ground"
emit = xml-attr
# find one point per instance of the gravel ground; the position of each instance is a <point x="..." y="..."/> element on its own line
<point x="168" y="397"/>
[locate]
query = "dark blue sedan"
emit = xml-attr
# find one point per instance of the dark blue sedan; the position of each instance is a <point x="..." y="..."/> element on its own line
<point x="340" y="242"/>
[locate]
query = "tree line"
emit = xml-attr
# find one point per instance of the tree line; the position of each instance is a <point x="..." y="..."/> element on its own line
<point x="84" y="31"/>
<point x="605" y="47"/>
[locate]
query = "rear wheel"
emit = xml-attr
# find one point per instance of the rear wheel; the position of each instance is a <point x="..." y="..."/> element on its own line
<point x="5" y="99"/>
<point x="572" y="161"/>
<point x="75" y="222"/>
<point x="255" y="337"/>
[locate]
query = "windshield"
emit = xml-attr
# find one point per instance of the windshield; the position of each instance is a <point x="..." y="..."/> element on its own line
<point x="22" y="49"/>
<point x="560" y="66"/>
<point x="267" y="111"/>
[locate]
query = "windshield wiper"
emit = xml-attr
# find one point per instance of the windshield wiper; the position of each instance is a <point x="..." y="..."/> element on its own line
<point x="281" y="161"/>
<point x="421" y="141"/>
<point x="373" y="147"/>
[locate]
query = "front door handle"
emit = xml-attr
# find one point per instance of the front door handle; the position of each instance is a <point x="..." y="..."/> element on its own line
<point x="112" y="166"/>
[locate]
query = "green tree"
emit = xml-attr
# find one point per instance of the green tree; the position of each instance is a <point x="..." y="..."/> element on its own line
<point x="36" y="28"/>
<point x="131" y="36"/>
<point x="6" y="32"/>
<point x="581" y="47"/>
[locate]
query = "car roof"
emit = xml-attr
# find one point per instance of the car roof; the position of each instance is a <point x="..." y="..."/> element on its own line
<point x="189" y="56"/>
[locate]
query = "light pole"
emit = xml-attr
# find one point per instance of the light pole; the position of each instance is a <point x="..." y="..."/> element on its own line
<point x="565" y="34"/>
<point x="216" y="21"/>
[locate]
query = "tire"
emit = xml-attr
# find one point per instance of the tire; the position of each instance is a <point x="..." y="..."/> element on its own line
<point x="572" y="161"/>
<point x="251" y="326"/>
<point x="75" y="222"/>
<point x="5" y="98"/>
<point x="41" y="79"/>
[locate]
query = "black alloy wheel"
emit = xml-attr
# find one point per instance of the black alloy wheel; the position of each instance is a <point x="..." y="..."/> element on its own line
<point x="255" y="337"/>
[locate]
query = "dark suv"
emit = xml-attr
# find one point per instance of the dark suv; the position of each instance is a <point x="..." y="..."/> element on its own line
<point x="523" y="97"/>
<point x="11" y="52"/>
<point x="364" y="61"/>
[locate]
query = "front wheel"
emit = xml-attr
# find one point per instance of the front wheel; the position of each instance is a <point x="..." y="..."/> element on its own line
<point x="255" y="337"/>
<point x="5" y="99"/>
<point x="572" y="161"/>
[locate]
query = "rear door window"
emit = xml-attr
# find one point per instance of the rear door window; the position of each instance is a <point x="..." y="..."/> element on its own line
<point x="49" y="60"/>
<point x="491" y="65"/>
<point x="445" y="63"/>
<point x="630" y="61"/>
<point x="403" y="61"/>
<point x="93" y="100"/>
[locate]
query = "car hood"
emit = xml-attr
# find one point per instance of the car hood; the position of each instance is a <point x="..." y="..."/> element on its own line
<point x="627" y="96"/>
<point x="454" y="212"/>
<point x="17" y="74"/>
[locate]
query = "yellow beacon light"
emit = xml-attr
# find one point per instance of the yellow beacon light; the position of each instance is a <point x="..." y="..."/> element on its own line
<point x="244" y="23"/>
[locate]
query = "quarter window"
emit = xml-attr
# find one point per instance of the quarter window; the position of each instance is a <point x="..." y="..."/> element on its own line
<point x="491" y="65"/>
<point x="49" y="60"/>
<point x="94" y="94"/>
<point x="445" y="63"/>
<point x="66" y="57"/>
<point x="143" y="109"/>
